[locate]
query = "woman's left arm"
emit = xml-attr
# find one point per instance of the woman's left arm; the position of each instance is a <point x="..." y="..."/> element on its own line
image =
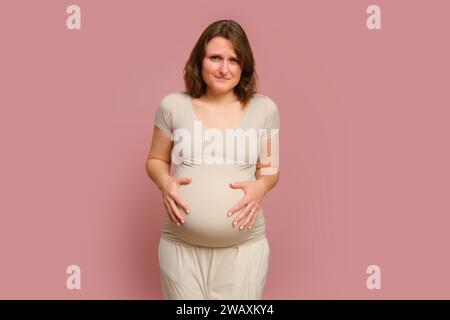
<point x="268" y="181"/>
<point x="267" y="176"/>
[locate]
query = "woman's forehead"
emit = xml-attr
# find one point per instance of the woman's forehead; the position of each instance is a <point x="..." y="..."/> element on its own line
<point x="220" y="45"/>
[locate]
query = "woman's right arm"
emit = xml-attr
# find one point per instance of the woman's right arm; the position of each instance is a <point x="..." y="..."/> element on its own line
<point x="159" y="158"/>
<point x="158" y="169"/>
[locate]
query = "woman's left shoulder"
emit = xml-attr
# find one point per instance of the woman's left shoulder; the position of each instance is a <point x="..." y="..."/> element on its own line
<point x="268" y="102"/>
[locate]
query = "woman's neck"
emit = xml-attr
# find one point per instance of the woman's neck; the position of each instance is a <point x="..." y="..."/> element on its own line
<point x="220" y="99"/>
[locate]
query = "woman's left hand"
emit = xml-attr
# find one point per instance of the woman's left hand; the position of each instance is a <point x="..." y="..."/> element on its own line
<point x="254" y="191"/>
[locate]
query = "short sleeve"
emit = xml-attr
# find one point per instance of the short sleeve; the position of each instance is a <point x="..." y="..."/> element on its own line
<point x="272" y="121"/>
<point x="163" y="115"/>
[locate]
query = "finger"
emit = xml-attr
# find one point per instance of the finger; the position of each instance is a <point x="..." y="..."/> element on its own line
<point x="175" y="211"/>
<point x="240" y="204"/>
<point x="248" y="218"/>
<point x="252" y="222"/>
<point x="184" y="180"/>
<point x="237" y="185"/>
<point x="243" y="213"/>
<point x="170" y="211"/>
<point x="181" y="202"/>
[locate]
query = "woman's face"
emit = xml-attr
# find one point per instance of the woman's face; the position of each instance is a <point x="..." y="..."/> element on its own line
<point x="221" y="70"/>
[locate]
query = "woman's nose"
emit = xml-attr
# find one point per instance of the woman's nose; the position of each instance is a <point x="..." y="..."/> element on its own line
<point x="223" y="67"/>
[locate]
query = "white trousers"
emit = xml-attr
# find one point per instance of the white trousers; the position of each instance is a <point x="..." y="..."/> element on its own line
<point x="203" y="273"/>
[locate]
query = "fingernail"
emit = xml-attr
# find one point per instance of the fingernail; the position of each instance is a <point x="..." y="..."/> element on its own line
<point x="182" y="221"/>
<point x="249" y="227"/>
<point x="178" y="224"/>
<point x="229" y="213"/>
<point x="187" y="210"/>
<point x="241" y="227"/>
<point x="232" y="183"/>
<point x="234" y="223"/>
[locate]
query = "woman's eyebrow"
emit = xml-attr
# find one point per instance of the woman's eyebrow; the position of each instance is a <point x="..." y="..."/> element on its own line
<point x="218" y="54"/>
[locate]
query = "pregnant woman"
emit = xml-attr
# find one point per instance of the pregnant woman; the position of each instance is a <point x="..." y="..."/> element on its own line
<point x="223" y="139"/>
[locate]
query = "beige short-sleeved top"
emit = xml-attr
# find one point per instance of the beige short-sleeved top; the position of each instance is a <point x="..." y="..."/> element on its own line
<point x="213" y="158"/>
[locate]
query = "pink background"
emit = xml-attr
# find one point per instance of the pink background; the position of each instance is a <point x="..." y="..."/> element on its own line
<point x="364" y="143"/>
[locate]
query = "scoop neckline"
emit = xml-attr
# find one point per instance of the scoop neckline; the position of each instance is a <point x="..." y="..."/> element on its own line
<point x="237" y="126"/>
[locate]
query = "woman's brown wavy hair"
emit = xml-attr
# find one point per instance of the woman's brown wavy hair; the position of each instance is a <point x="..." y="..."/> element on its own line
<point x="231" y="30"/>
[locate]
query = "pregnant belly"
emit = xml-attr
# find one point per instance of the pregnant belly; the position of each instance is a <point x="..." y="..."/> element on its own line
<point x="210" y="197"/>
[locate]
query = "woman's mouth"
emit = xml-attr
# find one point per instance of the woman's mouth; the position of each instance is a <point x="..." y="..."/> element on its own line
<point x="219" y="78"/>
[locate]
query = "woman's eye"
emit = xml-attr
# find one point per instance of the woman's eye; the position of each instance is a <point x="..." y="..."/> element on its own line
<point x="215" y="58"/>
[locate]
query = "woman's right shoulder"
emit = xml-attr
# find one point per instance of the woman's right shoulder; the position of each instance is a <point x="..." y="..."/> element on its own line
<point x="174" y="96"/>
<point x="172" y="100"/>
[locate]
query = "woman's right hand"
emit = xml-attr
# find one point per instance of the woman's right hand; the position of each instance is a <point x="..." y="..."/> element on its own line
<point x="172" y="198"/>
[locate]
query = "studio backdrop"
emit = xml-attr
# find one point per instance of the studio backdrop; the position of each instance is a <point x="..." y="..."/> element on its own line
<point x="361" y="209"/>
